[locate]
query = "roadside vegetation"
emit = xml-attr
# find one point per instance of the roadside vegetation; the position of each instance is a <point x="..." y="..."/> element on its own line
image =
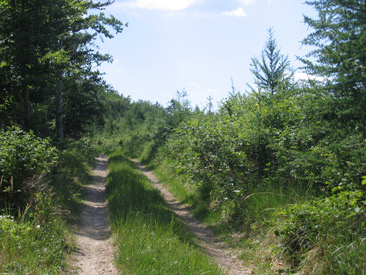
<point x="277" y="170"/>
<point x="51" y="95"/>
<point x="37" y="203"/>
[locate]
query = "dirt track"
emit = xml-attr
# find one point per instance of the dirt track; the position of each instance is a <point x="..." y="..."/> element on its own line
<point x="94" y="255"/>
<point x="222" y="255"/>
<point x="95" y="251"/>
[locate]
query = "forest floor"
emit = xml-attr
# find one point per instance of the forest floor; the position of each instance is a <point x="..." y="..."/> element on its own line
<point x="94" y="249"/>
<point x="218" y="250"/>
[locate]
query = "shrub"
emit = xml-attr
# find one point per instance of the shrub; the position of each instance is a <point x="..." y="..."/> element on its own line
<point x="23" y="156"/>
<point x="325" y="229"/>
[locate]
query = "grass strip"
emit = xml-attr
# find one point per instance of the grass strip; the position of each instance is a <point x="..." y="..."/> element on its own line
<point x="151" y="239"/>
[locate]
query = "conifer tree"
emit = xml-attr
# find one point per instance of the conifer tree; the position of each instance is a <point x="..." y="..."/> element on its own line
<point x="42" y="44"/>
<point x="339" y="38"/>
<point x="272" y="71"/>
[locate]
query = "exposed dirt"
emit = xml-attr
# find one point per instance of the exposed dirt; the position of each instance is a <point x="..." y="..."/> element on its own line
<point x="94" y="253"/>
<point x="221" y="254"/>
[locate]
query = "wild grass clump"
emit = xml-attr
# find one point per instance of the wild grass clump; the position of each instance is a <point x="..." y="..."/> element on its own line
<point x="34" y="243"/>
<point x="151" y="240"/>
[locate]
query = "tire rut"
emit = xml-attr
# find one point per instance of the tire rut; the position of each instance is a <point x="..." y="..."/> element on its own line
<point x="217" y="249"/>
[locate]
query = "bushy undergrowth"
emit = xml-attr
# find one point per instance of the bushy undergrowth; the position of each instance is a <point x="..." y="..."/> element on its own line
<point x="23" y="159"/>
<point x="72" y="172"/>
<point x="150" y="237"/>
<point x="33" y="232"/>
<point x="260" y="154"/>
<point x="326" y="234"/>
<point x="283" y="145"/>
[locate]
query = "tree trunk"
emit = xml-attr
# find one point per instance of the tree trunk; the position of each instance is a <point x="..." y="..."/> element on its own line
<point x="27" y="108"/>
<point x="59" y="127"/>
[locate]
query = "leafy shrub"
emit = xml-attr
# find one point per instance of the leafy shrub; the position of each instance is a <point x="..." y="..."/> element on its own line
<point x="233" y="149"/>
<point x="23" y="156"/>
<point x="84" y="150"/>
<point x="328" y="226"/>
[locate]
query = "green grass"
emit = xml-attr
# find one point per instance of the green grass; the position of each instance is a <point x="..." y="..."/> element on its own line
<point x="266" y="227"/>
<point x="35" y="242"/>
<point x="151" y="239"/>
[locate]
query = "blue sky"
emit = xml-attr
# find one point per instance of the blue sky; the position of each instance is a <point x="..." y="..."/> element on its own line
<point x="197" y="45"/>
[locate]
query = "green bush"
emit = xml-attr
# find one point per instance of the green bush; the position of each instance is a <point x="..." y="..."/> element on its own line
<point x="330" y="227"/>
<point x="23" y="157"/>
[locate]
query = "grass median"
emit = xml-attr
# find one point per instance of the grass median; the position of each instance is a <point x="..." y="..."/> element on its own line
<point x="151" y="239"/>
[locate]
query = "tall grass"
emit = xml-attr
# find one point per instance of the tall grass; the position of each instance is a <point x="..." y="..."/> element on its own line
<point x="31" y="247"/>
<point x="151" y="240"/>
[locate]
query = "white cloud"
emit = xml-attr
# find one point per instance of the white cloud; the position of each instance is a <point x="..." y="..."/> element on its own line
<point x="170" y="5"/>
<point x="239" y="12"/>
<point x="247" y="2"/>
<point x="269" y="2"/>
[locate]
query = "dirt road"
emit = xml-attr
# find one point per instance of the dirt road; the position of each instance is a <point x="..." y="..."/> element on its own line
<point x="92" y="236"/>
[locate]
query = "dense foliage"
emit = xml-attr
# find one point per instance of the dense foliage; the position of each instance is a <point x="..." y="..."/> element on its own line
<point x="285" y="160"/>
<point x="23" y="158"/>
<point x="33" y="233"/>
<point x="339" y="37"/>
<point x="47" y="61"/>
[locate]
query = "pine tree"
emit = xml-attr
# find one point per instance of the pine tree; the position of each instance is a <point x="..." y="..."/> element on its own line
<point x="272" y="71"/>
<point x="340" y="57"/>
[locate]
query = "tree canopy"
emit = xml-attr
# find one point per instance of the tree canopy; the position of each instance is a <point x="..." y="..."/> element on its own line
<point x="339" y="57"/>
<point x="44" y="47"/>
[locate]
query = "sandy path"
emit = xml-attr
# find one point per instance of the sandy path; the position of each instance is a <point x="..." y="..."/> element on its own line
<point x="222" y="255"/>
<point x="95" y="251"/>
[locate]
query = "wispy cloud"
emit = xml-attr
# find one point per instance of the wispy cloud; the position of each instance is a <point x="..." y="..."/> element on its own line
<point x="169" y="5"/>
<point x="239" y="12"/>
